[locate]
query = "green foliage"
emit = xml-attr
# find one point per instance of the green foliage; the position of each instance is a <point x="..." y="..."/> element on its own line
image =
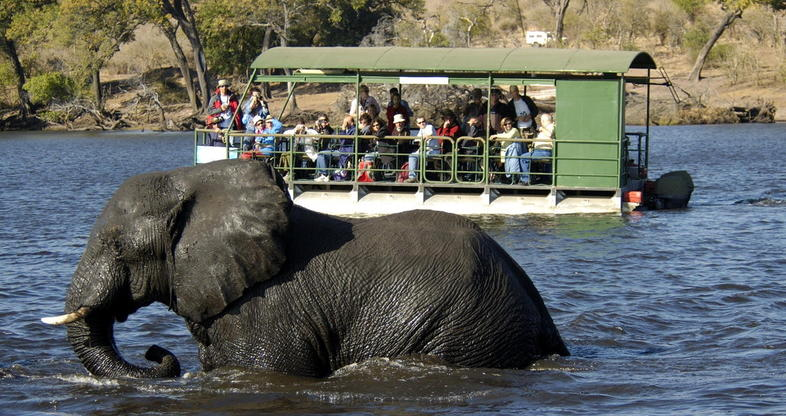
<point x="694" y="39"/>
<point x="595" y="37"/>
<point x="231" y="50"/>
<point x="690" y="7"/>
<point x="7" y="75"/>
<point x="103" y="25"/>
<point x="50" y="87"/>
<point x="52" y="116"/>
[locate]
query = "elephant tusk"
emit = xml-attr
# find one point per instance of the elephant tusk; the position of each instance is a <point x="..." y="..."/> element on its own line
<point x="67" y="318"/>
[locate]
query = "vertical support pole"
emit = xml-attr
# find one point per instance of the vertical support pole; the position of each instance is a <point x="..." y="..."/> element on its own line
<point x="621" y="130"/>
<point x="196" y="143"/>
<point x="487" y="144"/>
<point x="355" y="171"/>
<point x="286" y="103"/>
<point x="647" y="127"/>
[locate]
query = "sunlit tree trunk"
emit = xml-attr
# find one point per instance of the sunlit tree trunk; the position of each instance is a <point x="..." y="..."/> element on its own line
<point x="284" y="42"/>
<point x="182" y="63"/>
<point x="9" y="49"/>
<point x="181" y="11"/>
<point x="559" y="14"/>
<point x="695" y="73"/>
<point x="98" y="96"/>
<point x="265" y="46"/>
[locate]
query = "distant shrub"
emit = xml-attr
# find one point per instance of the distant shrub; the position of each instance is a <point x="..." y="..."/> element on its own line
<point x="705" y="115"/>
<point x="170" y="92"/>
<point x="741" y="65"/>
<point x="58" y="117"/>
<point x="693" y="40"/>
<point x="50" y="87"/>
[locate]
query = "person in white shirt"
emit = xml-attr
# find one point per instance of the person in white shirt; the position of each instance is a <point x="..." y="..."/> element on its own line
<point x="541" y="147"/>
<point x="426" y="130"/>
<point x="303" y="144"/>
<point x="523" y="110"/>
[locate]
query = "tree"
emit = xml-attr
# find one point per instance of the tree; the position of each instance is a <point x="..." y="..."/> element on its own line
<point x="691" y="7"/>
<point x="558" y="7"/>
<point x="153" y="12"/>
<point x="475" y="16"/>
<point x="9" y="10"/>
<point x="733" y="10"/>
<point x="183" y="14"/>
<point x="103" y="25"/>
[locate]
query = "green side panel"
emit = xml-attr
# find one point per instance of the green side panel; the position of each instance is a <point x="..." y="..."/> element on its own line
<point x="588" y="119"/>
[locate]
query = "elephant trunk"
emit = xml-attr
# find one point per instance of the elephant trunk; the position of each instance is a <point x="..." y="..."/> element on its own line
<point x="93" y="341"/>
<point x="98" y="295"/>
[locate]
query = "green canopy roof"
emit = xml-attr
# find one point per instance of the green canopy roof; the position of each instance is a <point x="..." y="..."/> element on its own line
<point x="485" y="60"/>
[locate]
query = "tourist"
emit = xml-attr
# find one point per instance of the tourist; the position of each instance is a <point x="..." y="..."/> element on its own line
<point x="511" y="149"/>
<point x="221" y="108"/>
<point x="368" y="104"/>
<point x="433" y="147"/>
<point x="523" y="109"/>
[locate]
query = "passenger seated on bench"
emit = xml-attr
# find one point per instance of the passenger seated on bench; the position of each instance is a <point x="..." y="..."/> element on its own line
<point x="541" y="145"/>
<point x="379" y="129"/>
<point x="306" y="145"/>
<point x="384" y="148"/>
<point x="449" y="128"/>
<point x="510" y="149"/>
<point x="264" y="144"/>
<point x="432" y="147"/>
<point x="322" y="125"/>
<point x="475" y="108"/>
<point x="339" y="149"/>
<point x="273" y="126"/>
<point x="475" y="128"/>
<point x="364" y="124"/>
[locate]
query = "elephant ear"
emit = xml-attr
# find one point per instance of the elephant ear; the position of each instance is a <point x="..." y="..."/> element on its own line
<point x="227" y="233"/>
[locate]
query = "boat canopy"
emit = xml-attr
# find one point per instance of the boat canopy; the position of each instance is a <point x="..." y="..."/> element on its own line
<point x="445" y="60"/>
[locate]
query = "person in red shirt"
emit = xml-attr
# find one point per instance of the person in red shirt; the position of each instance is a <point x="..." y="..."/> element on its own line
<point x="449" y="128"/>
<point x="222" y="111"/>
<point x="396" y="107"/>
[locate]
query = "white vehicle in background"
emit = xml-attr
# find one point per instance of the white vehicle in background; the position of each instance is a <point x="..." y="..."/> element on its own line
<point x="538" y="37"/>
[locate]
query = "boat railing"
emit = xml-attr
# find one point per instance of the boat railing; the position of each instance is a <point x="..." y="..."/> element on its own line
<point x="471" y="161"/>
<point x="636" y="155"/>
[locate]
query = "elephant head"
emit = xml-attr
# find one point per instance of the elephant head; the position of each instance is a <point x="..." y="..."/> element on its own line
<point x="158" y="236"/>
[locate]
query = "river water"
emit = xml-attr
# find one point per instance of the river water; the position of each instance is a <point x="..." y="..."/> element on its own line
<point x="668" y="312"/>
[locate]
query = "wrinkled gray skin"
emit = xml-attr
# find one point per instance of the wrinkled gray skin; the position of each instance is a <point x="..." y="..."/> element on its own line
<point x="265" y="284"/>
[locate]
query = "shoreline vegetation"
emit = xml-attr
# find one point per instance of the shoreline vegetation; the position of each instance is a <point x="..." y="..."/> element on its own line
<point x="139" y="83"/>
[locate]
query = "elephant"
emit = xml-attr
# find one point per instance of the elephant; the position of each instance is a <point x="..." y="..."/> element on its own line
<point x="265" y="284"/>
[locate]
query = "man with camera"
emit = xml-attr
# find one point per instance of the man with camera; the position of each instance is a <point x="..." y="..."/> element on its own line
<point x="254" y="106"/>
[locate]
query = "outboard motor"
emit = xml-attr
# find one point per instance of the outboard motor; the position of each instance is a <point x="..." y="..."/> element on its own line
<point x="672" y="190"/>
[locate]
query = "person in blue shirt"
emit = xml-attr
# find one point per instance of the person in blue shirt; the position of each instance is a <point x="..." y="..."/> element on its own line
<point x="255" y="106"/>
